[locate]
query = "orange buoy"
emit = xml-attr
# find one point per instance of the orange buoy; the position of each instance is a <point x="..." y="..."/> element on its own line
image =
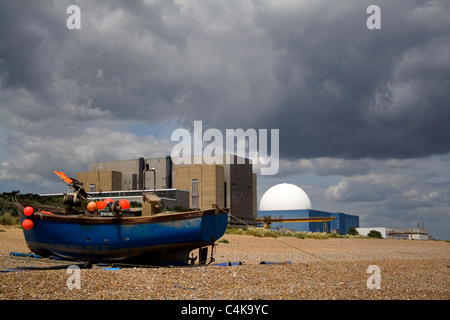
<point x="91" y="206"/>
<point x="107" y="202"/>
<point x="27" y="224"/>
<point x="100" y="205"/>
<point x="28" y="211"/>
<point x="124" y="204"/>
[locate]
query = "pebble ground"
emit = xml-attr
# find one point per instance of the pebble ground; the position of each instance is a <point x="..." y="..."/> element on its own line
<point x="309" y="269"/>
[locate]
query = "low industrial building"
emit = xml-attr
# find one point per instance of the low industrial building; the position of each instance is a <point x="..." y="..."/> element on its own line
<point x="396" y="233"/>
<point x="291" y="208"/>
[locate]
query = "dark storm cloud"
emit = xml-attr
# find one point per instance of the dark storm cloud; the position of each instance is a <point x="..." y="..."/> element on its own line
<point x="347" y="94"/>
<point x="311" y="69"/>
<point x="17" y="62"/>
<point x="141" y="61"/>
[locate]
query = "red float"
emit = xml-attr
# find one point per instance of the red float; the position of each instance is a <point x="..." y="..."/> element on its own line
<point x="27" y="224"/>
<point x="100" y="205"/>
<point x="124" y="204"/>
<point x="28" y="211"/>
<point x="107" y="202"/>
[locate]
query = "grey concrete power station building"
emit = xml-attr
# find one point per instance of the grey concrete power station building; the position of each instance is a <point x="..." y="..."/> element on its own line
<point x="197" y="186"/>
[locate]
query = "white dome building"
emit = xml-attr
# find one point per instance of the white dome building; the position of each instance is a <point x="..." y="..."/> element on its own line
<point x="287" y="201"/>
<point x="284" y="196"/>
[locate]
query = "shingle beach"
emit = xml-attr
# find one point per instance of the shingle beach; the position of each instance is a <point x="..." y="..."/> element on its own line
<point x="295" y="269"/>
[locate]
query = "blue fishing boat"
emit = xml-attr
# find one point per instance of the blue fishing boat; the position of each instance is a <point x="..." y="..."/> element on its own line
<point x="113" y="232"/>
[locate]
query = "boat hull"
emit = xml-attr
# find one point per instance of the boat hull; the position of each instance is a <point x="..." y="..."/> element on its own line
<point x="159" y="239"/>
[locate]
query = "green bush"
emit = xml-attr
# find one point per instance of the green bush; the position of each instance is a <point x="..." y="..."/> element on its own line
<point x="253" y="231"/>
<point x="9" y="220"/>
<point x="135" y="204"/>
<point x="352" y="231"/>
<point x="375" y="234"/>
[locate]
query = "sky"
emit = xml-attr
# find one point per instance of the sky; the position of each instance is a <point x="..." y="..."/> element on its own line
<point x="363" y="114"/>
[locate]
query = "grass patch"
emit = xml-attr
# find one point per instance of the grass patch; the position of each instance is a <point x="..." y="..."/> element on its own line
<point x="9" y="220"/>
<point x="253" y="231"/>
<point x="263" y="232"/>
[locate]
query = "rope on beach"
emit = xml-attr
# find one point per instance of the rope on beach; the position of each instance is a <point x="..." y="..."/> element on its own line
<point x="82" y="265"/>
<point x="306" y="252"/>
<point x="349" y="268"/>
